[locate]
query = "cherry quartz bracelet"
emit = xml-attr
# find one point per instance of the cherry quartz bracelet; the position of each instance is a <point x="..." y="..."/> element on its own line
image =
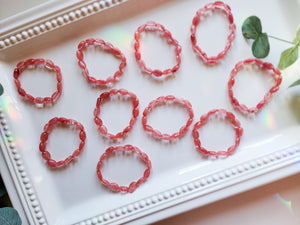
<point x="197" y="19"/>
<point x="44" y="138"/>
<point x="152" y="26"/>
<point x="133" y="185"/>
<point x="162" y="100"/>
<point x="263" y="65"/>
<point x="226" y="115"/>
<point x="107" y="47"/>
<point x="135" y="112"/>
<point x="48" y="64"/>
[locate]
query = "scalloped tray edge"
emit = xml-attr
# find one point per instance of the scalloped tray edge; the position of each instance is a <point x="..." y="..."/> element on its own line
<point x="51" y="22"/>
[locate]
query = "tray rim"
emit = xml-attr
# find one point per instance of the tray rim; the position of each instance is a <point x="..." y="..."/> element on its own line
<point x="194" y="190"/>
<point x="178" y="196"/>
<point x="62" y="15"/>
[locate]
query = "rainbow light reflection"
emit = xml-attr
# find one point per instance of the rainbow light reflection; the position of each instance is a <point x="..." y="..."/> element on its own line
<point x="5" y="103"/>
<point x="119" y="36"/>
<point x="288" y="204"/>
<point x="268" y="119"/>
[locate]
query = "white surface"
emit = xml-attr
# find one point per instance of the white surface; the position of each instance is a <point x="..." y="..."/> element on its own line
<point x="16" y="7"/>
<point x="75" y="191"/>
<point x="273" y="204"/>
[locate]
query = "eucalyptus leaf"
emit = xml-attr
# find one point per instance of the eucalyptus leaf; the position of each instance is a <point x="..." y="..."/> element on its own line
<point x="261" y="46"/>
<point x="9" y="216"/>
<point x="296" y="83"/>
<point x="297" y="38"/>
<point x="2" y="188"/>
<point x="288" y="57"/>
<point x="251" y="27"/>
<point x="1" y="89"/>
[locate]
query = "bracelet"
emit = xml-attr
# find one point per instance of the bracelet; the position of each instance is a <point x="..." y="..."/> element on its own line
<point x="262" y="65"/>
<point x="152" y="26"/>
<point x="224" y="115"/>
<point x="163" y="100"/>
<point x="107" y="47"/>
<point x="48" y="64"/>
<point x="135" y="112"/>
<point x="133" y="185"/>
<point x="44" y="138"/>
<point x="196" y="20"/>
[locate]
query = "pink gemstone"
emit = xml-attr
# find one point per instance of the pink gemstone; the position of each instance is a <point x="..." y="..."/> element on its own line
<point x="42" y="147"/>
<point x="30" y="97"/>
<point x="96" y="112"/>
<point x="21" y="64"/>
<point x="82" y="64"/>
<point x="21" y="92"/>
<point x="29" y="62"/>
<point x="51" y="163"/>
<point x="59" y="86"/>
<point x="38" y="100"/>
<point x="46" y="155"/>
<point x="79" y="55"/>
<point x="123" y="91"/>
<point x="135" y="112"/>
<point x="98" y="121"/>
<point x="60" y="163"/>
<point x="58" y="77"/>
<point x="103" y="129"/>
<point x="82" y="135"/>
<point x="81" y="45"/>
<point x="104" y="95"/>
<point x="135" y="103"/>
<point x="92" y="79"/>
<point x="55" y="95"/>
<point x="44" y="136"/>
<point x="127" y="129"/>
<point x="157" y="73"/>
<point x="81" y="145"/>
<point x="196" y="20"/>
<point x="124" y="189"/>
<point x="16" y="73"/>
<point x="90" y="41"/>
<point x="132" y="187"/>
<point x="114" y="187"/>
<point x="76" y="153"/>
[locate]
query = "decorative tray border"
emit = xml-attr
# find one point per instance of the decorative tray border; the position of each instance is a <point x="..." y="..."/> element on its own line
<point x="199" y="187"/>
<point x="177" y="195"/>
<point x="51" y="22"/>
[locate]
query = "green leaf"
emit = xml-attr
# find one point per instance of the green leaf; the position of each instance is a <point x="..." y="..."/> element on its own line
<point x="288" y="57"/>
<point x="261" y="46"/>
<point x="251" y="27"/>
<point x="9" y="216"/>
<point x="1" y="89"/>
<point x="297" y="38"/>
<point x="296" y="83"/>
<point x="2" y="188"/>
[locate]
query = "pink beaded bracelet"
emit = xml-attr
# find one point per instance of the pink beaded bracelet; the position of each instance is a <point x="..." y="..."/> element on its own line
<point x="48" y="64"/>
<point x="203" y="120"/>
<point x="107" y="47"/>
<point x="44" y="138"/>
<point x="263" y="65"/>
<point x="135" y="112"/>
<point x="197" y="19"/>
<point x="133" y="185"/>
<point x="152" y="26"/>
<point x="162" y="100"/>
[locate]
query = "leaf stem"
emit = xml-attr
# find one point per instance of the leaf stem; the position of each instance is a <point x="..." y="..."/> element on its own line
<point x="279" y="39"/>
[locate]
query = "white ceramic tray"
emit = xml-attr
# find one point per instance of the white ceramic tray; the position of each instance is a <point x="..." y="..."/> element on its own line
<point x="181" y="177"/>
